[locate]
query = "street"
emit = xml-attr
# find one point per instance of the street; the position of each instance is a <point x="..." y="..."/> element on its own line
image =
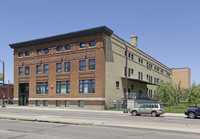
<point x="25" y="129"/>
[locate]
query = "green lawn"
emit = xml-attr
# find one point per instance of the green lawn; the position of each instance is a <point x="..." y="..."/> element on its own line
<point x="180" y="108"/>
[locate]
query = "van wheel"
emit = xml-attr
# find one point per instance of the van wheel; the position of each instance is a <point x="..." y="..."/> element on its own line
<point x="153" y="114"/>
<point x="191" y="115"/>
<point x="134" y="113"/>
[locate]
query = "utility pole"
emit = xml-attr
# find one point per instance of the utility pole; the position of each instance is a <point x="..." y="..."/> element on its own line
<point x="3" y="92"/>
<point x="8" y="101"/>
<point x="126" y="92"/>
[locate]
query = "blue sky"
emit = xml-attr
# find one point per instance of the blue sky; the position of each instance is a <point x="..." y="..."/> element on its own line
<point x="168" y="30"/>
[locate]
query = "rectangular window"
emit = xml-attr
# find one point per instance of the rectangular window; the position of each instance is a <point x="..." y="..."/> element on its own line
<point x="26" y="70"/>
<point x="129" y="72"/>
<point x="57" y="103"/>
<point x="21" y="54"/>
<point x="86" y="86"/>
<point x="92" y="64"/>
<point x="67" y="47"/>
<point x="129" y="55"/>
<point x="46" y="69"/>
<point x="117" y="84"/>
<point x="59" y="67"/>
<point x="139" y="75"/>
<point x="92" y="43"/>
<point x="42" y="88"/>
<point x="82" y="45"/>
<point x="132" y="56"/>
<point x="67" y="103"/>
<point x="20" y="71"/>
<point x="125" y="53"/>
<point x="45" y="103"/>
<point x="67" y="66"/>
<point x="39" y="52"/>
<point x="82" y="65"/>
<point x="132" y="71"/>
<point x="37" y="103"/>
<point x="27" y="53"/>
<point x="38" y="69"/>
<point x="46" y="50"/>
<point x="62" y="87"/>
<point x="125" y="71"/>
<point x="59" y="48"/>
<point x="81" y="103"/>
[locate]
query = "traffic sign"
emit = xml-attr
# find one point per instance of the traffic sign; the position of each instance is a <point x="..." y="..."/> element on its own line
<point x="1" y="76"/>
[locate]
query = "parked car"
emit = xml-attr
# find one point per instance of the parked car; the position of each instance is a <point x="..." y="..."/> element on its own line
<point x="153" y="109"/>
<point x="193" y="113"/>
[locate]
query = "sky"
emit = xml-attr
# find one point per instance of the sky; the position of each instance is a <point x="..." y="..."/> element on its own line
<point x="169" y="31"/>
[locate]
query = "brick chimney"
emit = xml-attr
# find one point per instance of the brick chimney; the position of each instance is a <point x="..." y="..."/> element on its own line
<point x="134" y="40"/>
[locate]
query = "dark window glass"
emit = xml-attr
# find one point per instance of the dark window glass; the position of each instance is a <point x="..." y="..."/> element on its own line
<point x="82" y="45"/>
<point x="27" y="53"/>
<point x="45" y="103"/>
<point x="20" y="54"/>
<point x="42" y="88"/>
<point x="92" y="43"/>
<point x="129" y="72"/>
<point x="82" y="65"/>
<point x="67" y="66"/>
<point x="39" y="52"/>
<point x="46" y="69"/>
<point x="38" y="69"/>
<point x="67" y="103"/>
<point x="125" y="53"/>
<point x="132" y="56"/>
<point x="81" y="103"/>
<point x="46" y="50"/>
<point x="125" y="71"/>
<point x="37" y="103"/>
<point x="86" y="86"/>
<point x="62" y="87"/>
<point x="26" y="70"/>
<point x="67" y="47"/>
<point x="59" y="67"/>
<point x="20" y="71"/>
<point x="59" y="48"/>
<point x="129" y="55"/>
<point x="117" y="84"/>
<point x="92" y="64"/>
<point x="57" y="103"/>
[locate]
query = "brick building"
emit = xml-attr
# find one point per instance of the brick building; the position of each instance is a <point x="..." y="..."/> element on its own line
<point x="8" y="89"/>
<point x="83" y="69"/>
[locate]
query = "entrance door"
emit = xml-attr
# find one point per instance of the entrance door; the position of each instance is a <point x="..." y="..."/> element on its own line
<point x="23" y="94"/>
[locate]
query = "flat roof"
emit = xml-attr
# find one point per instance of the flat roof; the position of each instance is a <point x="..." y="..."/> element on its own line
<point x="90" y="31"/>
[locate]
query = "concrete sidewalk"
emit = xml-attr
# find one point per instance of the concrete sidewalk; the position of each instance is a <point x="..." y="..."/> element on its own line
<point x="166" y="127"/>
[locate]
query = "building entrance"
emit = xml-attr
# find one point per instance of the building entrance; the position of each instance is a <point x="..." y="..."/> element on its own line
<point x="23" y="94"/>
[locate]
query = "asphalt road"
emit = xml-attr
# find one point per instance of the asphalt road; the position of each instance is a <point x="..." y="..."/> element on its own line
<point x="99" y="116"/>
<point x="31" y="130"/>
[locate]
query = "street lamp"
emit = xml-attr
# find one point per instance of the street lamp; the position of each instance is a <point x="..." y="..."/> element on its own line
<point x="126" y="92"/>
<point x="3" y="104"/>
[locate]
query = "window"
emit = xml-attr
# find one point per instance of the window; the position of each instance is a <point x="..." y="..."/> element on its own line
<point x="42" y="88"/>
<point x="129" y="55"/>
<point x="132" y="71"/>
<point x="26" y="70"/>
<point x="129" y="72"/>
<point x="37" y="103"/>
<point x="117" y="84"/>
<point x="131" y="87"/>
<point x="62" y="87"/>
<point x="92" y="64"/>
<point x="125" y="53"/>
<point x="39" y="52"/>
<point x="59" y="67"/>
<point x="59" y="48"/>
<point x="45" y="103"/>
<point x="67" y="66"/>
<point x="67" y="47"/>
<point x="46" y="50"/>
<point x="82" y="65"/>
<point x="38" y="69"/>
<point x="132" y="56"/>
<point x="81" y="103"/>
<point x="92" y="43"/>
<point x="86" y="86"/>
<point x="140" y="75"/>
<point x="125" y="71"/>
<point x="21" y="54"/>
<point x="67" y="103"/>
<point x="27" y="53"/>
<point x="20" y="71"/>
<point x="57" y="103"/>
<point x="82" y="45"/>
<point x="46" y="69"/>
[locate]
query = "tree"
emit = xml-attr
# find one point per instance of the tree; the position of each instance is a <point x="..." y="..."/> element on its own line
<point x="193" y="94"/>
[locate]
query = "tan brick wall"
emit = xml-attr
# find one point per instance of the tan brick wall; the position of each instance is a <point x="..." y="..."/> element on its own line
<point x="181" y="76"/>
